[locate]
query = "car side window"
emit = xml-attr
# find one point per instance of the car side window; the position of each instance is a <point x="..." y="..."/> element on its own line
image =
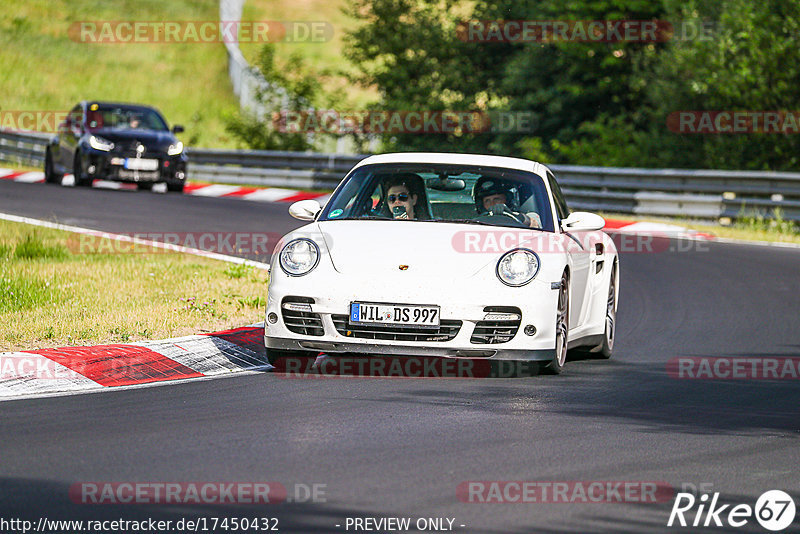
<point x="558" y="197"/>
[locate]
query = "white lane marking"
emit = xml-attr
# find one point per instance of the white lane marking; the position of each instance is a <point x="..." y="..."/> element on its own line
<point x="270" y="195"/>
<point x="6" y="172"/>
<point x="129" y="239"/>
<point x="30" y="177"/>
<point x="24" y="373"/>
<point x="216" y="190"/>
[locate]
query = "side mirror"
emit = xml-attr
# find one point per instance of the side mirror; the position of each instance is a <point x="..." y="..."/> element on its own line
<point x="177" y="129"/>
<point x="583" y="221"/>
<point x="305" y="210"/>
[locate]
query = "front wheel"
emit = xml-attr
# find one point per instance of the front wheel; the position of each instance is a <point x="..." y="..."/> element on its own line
<point x="177" y="188"/>
<point x="50" y="175"/>
<point x="562" y="328"/>
<point x="611" y="316"/>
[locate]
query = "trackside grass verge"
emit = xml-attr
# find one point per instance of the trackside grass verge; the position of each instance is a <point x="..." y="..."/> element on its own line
<point x="748" y="228"/>
<point x="51" y="295"/>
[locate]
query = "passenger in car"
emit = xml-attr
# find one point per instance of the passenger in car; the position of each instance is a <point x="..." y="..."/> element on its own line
<point x="500" y="197"/>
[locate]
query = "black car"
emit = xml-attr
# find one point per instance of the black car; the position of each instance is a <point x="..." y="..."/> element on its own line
<point x="119" y="142"/>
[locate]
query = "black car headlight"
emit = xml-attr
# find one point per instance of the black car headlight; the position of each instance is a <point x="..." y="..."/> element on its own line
<point x="299" y="257"/>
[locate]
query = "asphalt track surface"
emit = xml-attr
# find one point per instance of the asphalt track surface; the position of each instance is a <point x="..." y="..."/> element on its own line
<point x="400" y="447"/>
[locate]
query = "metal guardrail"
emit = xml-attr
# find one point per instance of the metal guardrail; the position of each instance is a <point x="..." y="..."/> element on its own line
<point x="702" y="194"/>
<point x="26" y="149"/>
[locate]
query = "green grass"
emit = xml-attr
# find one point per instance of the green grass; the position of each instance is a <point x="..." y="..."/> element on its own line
<point x="320" y="57"/>
<point x="51" y="294"/>
<point x="761" y="221"/>
<point x="44" y="69"/>
<point x="32" y="247"/>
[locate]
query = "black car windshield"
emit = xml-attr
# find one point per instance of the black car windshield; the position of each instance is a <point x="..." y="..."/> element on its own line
<point x="124" y="118"/>
<point x="465" y="194"/>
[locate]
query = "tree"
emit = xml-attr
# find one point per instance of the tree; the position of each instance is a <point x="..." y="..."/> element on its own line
<point x="288" y="90"/>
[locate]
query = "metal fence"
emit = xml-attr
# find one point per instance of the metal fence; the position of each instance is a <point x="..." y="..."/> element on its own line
<point x="246" y="81"/>
<point x="701" y="194"/>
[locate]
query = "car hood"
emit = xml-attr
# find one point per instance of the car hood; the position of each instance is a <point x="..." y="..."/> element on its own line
<point x="151" y="139"/>
<point x="434" y="250"/>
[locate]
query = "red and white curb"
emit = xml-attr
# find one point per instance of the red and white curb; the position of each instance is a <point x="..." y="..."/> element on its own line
<point x="255" y="194"/>
<point x="46" y="372"/>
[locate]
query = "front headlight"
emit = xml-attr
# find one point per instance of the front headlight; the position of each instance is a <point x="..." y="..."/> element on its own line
<point x="518" y="267"/>
<point x="299" y="257"/>
<point x="98" y="143"/>
<point x="175" y="149"/>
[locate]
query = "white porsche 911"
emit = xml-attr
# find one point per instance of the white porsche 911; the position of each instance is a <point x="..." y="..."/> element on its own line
<point x="450" y="255"/>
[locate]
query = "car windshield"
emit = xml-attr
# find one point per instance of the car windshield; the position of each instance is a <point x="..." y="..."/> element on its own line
<point x="124" y="118"/>
<point x="465" y="194"/>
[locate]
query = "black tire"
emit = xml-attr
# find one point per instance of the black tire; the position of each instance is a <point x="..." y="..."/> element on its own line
<point x="175" y="188"/>
<point x="556" y="366"/>
<point x="610" y="333"/>
<point x="144" y="186"/>
<point x="50" y="174"/>
<point x="81" y="180"/>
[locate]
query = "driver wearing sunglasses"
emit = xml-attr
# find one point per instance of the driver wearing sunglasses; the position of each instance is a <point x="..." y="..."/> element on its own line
<point x="401" y="201"/>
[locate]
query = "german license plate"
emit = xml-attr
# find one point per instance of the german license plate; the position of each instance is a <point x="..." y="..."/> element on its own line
<point x="394" y="314"/>
<point x="139" y="164"/>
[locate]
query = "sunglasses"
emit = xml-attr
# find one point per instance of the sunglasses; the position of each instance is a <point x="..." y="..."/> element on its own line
<point x="402" y="197"/>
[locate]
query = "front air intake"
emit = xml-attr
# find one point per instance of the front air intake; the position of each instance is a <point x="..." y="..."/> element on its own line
<point x="499" y="325"/>
<point x="298" y="317"/>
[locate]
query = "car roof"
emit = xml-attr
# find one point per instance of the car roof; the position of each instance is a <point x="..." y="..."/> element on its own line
<point x="455" y="159"/>
<point x="120" y="104"/>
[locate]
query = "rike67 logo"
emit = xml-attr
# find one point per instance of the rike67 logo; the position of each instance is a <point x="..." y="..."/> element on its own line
<point x="774" y="510"/>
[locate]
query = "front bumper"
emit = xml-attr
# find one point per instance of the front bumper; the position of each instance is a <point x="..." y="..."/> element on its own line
<point x="337" y="347"/>
<point x="111" y="166"/>
<point x="536" y="303"/>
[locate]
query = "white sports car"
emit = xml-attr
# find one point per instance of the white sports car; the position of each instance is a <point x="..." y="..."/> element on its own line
<point x="450" y="255"/>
